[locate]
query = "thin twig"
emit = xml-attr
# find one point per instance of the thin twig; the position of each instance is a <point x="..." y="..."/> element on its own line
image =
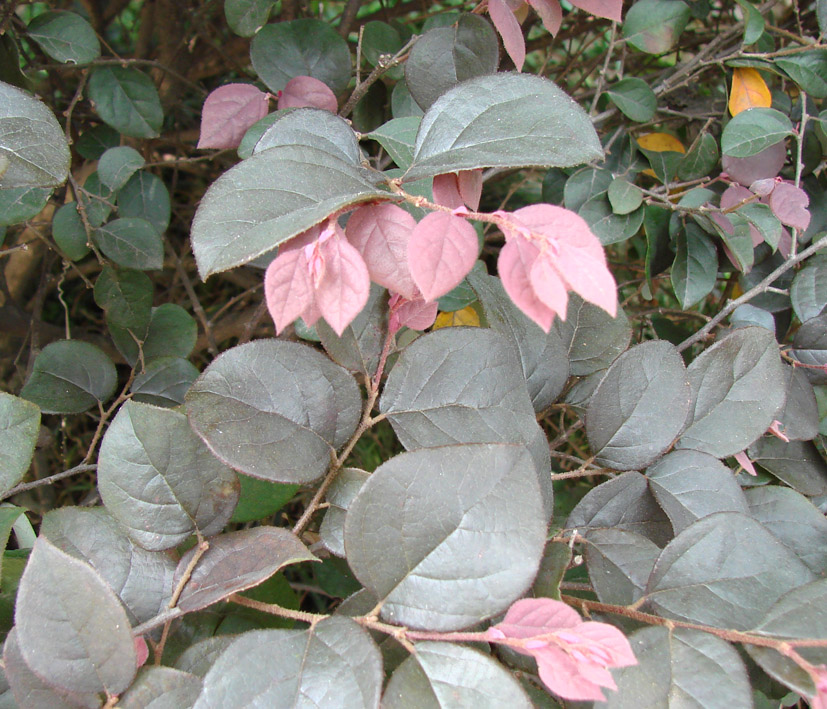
<point x="23" y="487"/>
<point x="601" y="78"/>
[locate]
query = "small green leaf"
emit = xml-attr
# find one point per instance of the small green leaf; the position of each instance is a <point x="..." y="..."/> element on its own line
<point x="808" y="70"/>
<point x="127" y="100"/>
<point x="695" y="269"/>
<point x="126" y="297"/>
<point x="19" y="428"/>
<point x="634" y="98"/>
<point x="146" y="196"/>
<point x="18" y="204"/>
<point x="754" y="130"/>
<point x="654" y="26"/>
<point x="809" y="289"/>
<point x="117" y="165"/>
<point x="95" y="141"/>
<point x="624" y="196"/>
<point x="65" y="37"/>
<point x="753" y="22"/>
<point x="261" y="498"/>
<point x="69" y="233"/>
<point x="700" y="160"/>
<point x="164" y="382"/>
<point x="171" y="332"/>
<point x="246" y="17"/>
<point x="398" y="137"/>
<point x="97" y="199"/>
<point x="131" y="242"/>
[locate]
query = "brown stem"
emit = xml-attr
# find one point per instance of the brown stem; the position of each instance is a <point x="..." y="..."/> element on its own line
<point x="349" y="16"/>
<point x="23" y="487"/>
<point x="275" y="609"/>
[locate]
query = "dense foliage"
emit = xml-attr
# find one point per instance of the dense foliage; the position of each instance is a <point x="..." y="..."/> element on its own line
<point x="430" y="354"/>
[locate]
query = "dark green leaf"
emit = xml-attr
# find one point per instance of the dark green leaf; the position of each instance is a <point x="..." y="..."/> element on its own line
<point x="503" y="120"/>
<point x="131" y="242"/>
<point x="269" y="198"/>
<point x="126" y="298"/>
<point x="418" y="535"/>
<point x="31" y="141"/>
<point x="159" y="480"/>
<point x="654" y="26"/>
<point x="161" y="688"/>
<point x="808" y="291"/>
<point x="65" y="37"/>
<point x="700" y="160"/>
<point x="695" y="270"/>
<point x="640" y="406"/>
<point x="585" y="184"/>
<point x="69" y="233"/>
<point x="754" y="130"/>
<point x="381" y="40"/>
<point x="290" y="405"/>
<point x="145" y="196"/>
<point x="442" y="675"/>
<point x="172" y="332"/>
<point x="117" y="165"/>
<point x="69" y="377"/>
<point x="339" y="496"/>
<point x="21" y="203"/>
<point x="753" y="22"/>
<point x="398" y="137"/>
<point x="737" y="240"/>
<point x="681" y="668"/>
<point x="689" y="485"/>
<point x="97" y="199"/>
<point x="624" y="196"/>
<point x="738" y="387"/>
<point x="634" y="98"/>
<point x="200" y="656"/>
<point x="141" y="579"/>
<point x="446" y="56"/>
<point x="402" y="103"/>
<point x="261" y="498"/>
<point x="305" y="47"/>
<point x="255" y="131"/>
<point x="624" y="503"/>
<point x="799" y="418"/>
<point x="246" y="17"/>
<point x="95" y="141"/>
<point x="19" y="428"/>
<point x="808" y="70"/>
<point x="607" y="226"/>
<point x="8" y="517"/>
<point x="334" y="664"/>
<point x="164" y="382"/>
<point x="126" y="99"/>
<point x="314" y="128"/>
<point x="797" y="463"/>
<point x="71" y="627"/>
<point x="810" y="348"/>
<point x="658" y="251"/>
<point x="762" y="218"/>
<point x="235" y="562"/>
<point x="619" y="564"/>
<point x="725" y="570"/>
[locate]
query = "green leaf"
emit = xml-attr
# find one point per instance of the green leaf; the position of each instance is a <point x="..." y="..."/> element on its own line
<point x="808" y="291"/>
<point x="159" y="480"/>
<point x="117" y="165"/>
<point x="69" y="233"/>
<point x="262" y="498"/>
<point x="164" y="382"/>
<point x="695" y="269"/>
<point x="799" y="417"/>
<point x="145" y="196"/>
<point x="235" y="562"/>
<point x="9" y="514"/>
<point x="725" y="570"/>
<point x="314" y="128"/>
<point x="131" y="242"/>
<point x="762" y="218"/>
<point x="246" y="17"/>
<point x="127" y="100"/>
<point x="21" y="203"/>
<point x="445" y="56"/>
<point x="797" y="463"/>
<point x="810" y="347"/>
<point x="654" y="26"/>
<point x="126" y="298"/>
<point x="754" y="130"/>
<point x="681" y="668"/>
<point x="97" y="199"/>
<point x="305" y="47"/>
<point x="689" y="485"/>
<point x="607" y="226"/>
<point x="290" y="405"/>
<point x="442" y="675"/>
<point x="700" y="160"/>
<point x="200" y="656"/>
<point x="335" y="662"/>
<point x="269" y="198"/>
<point x="738" y="386"/>
<point x="381" y="39"/>
<point x="65" y="36"/>
<point x="141" y="579"/>
<point x="398" y="137"/>
<point x="255" y="131"/>
<point x="624" y="196"/>
<point x="619" y="564"/>
<point x="69" y="377"/>
<point x="70" y="625"/>
<point x="503" y="120"/>
<point x="339" y="496"/>
<point x="161" y="687"/>
<point x="95" y="141"/>
<point x="32" y="142"/>
<point x="753" y="22"/>
<point x="423" y="543"/>
<point x="634" y="98"/>
<point x="640" y="406"/>
<point x="585" y="184"/>
<point x="808" y="70"/>
<point x="172" y="332"/>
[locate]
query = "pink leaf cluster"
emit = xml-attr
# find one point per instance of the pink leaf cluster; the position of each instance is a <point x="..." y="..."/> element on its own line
<point x="502" y="14"/>
<point x="307" y="92"/>
<point x="455" y="189"/>
<point x="550" y="250"/>
<point x="573" y="656"/>
<point x="227" y="114"/>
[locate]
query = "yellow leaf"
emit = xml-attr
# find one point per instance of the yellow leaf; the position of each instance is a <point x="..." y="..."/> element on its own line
<point x="467" y="316"/>
<point x="660" y="143"/>
<point x="748" y="91"/>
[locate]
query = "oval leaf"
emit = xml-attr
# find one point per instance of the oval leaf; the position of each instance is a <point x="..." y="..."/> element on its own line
<point x="161" y="688"/>
<point x="65" y="37"/>
<point x="19" y="428"/>
<point x="314" y="128"/>
<point x="441" y="250"/>
<point x="127" y="100"/>
<point x="753" y="131"/>
<point x="227" y="114"/>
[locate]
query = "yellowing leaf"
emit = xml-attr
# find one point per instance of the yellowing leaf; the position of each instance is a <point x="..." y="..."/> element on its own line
<point x="467" y="316"/>
<point x="748" y="91"/>
<point x="660" y="143"/>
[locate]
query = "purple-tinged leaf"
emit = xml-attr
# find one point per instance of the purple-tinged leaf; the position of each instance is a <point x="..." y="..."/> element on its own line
<point x="227" y="114"/>
<point x="381" y="234"/>
<point x="235" y="562"/>
<point x="470" y="187"/>
<point x="161" y="687"/>
<point x="510" y="31"/>
<point x="441" y="251"/>
<point x="446" y="190"/>
<point x="550" y="13"/>
<point x="307" y="92"/>
<point x="610" y="9"/>
<point x="415" y="314"/>
<point x="764" y="165"/>
<point x="287" y="287"/>
<point x="344" y="288"/>
<point x="789" y="203"/>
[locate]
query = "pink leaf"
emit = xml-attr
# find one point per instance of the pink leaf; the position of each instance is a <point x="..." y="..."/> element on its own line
<point x="789" y="203"/>
<point x="550" y="13"/>
<point x="441" y="251"/>
<point x="446" y="190"/>
<point x="767" y="163"/>
<point x="610" y="9"/>
<point x="305" y="91"/>
<point x="763" y="187"/>
<point x="514" y="266"/>
<point x="548" y="285"/>
<point x="381" y="234"/>
<point x="344" y="288"/>
<point x="470" y="187"/>
<point x="509" y="30"/>
<point x="745" y="462"/>
<point x="777" y="429"/>
<point x="141" y="651"/>
<point x="287" y="287"/>
<point x="535" y="616"/>
<point x="415" y="314"/>
<point x="561" y="674"/>
<point x="227" y="114"/>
